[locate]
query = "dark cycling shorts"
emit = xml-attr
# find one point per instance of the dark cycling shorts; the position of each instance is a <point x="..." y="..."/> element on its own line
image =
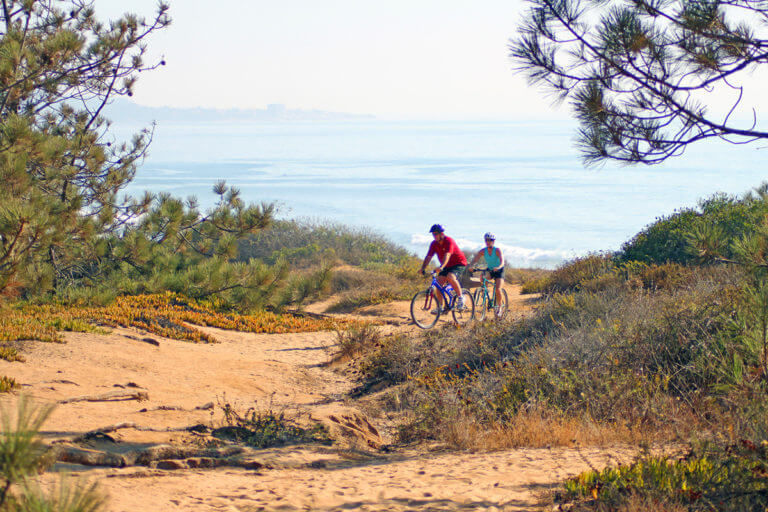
<point x="453" y="269"/>
<point x="497" y="274"/>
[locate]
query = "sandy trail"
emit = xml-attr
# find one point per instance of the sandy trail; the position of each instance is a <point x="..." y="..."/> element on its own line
<point x="282" y="371"/>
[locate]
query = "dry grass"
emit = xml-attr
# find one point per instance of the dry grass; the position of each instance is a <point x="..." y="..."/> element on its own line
<point x="356" y="340"/>
<point x="536" y="429"/>
<point x="359" y="287"/>
<point x="639" y="503"/>
<point x="522" y="276"/>
<point x="633" y="503"/>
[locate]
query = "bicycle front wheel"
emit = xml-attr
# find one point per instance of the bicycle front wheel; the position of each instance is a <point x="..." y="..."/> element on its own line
<point x="464" y="315"/>
<point x="422" y="305"/>
<point x="480" y="304"/>
<point x="504" y="306"/>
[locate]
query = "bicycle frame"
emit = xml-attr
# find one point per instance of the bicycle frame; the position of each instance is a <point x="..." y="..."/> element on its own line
<point x="447" y="298"/>
<point x="486" y="284"/>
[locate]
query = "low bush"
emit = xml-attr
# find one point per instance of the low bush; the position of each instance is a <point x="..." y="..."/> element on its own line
<point x="734" y="479"/>
<point x="395" y="360"/>
<point x="264" y="429"/>
<point x="574" y="275"/>
<point x="305" y="243"/>
<point x="357" y="340"/>
<point x="8" y="384"/>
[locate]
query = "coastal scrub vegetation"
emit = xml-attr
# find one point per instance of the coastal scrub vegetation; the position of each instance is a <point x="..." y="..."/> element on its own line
<point x="671" y="348"/>
<point x="75" y="251"/>
<point x="368" y="268"/>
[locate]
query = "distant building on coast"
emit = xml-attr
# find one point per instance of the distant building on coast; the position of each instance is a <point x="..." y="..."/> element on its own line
<point x="126" y="111"/>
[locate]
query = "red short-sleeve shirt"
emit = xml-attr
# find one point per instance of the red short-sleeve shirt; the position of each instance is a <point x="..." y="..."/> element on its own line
<point x="442" y="248"/>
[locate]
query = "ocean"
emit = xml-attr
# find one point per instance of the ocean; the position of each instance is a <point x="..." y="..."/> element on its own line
<point x="524" y="181"/>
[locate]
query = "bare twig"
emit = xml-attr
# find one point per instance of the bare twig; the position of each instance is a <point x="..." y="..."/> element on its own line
<point x="108" y="397"/>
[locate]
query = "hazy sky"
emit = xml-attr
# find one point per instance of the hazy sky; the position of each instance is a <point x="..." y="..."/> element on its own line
<point x="400" y="58"/>
<point x="397" y="58"/>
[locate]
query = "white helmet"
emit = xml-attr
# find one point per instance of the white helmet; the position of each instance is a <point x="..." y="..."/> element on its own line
<point x="490" y="236"/>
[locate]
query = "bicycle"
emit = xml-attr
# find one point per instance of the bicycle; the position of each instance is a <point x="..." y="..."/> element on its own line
<point x="485" y="300"/>
<point x="422" y="303"/>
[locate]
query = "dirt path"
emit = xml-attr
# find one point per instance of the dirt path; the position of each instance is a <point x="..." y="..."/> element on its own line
<point x="183" y="380"/>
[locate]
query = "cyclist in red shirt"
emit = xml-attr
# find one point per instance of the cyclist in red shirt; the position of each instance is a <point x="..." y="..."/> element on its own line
<point x="452" y="262"/>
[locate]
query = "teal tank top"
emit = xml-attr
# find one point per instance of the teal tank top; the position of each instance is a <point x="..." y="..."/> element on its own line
<point x="492" y="260"/>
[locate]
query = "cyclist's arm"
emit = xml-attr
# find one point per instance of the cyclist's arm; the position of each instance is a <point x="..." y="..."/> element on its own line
<point x="428" y="258"/>
<point x="501" y="259"/>
<point x="477" y="257"/>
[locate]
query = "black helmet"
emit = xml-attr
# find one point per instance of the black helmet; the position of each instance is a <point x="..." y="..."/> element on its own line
<point x="436" y="228"/>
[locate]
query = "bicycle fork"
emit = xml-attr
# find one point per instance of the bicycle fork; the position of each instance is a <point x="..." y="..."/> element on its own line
<point x="428" y="299"/>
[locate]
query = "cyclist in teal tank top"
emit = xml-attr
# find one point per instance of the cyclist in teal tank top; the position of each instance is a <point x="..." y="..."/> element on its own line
<point x="494" y="262"/>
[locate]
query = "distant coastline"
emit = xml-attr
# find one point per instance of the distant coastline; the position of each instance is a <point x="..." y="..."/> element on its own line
<point x="127" y="111"/>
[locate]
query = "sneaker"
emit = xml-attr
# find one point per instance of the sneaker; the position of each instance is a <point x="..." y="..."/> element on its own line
<point x="497" y="311"/>
<point x="460" y="303"/>
<point x="437" y="311"/>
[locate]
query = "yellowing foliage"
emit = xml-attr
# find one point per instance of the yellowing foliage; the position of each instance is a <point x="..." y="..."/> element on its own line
<point x="8" y="384"/>
<point x="169" y="315"/>
<point x="10" y="354"/>
<point x="16" y="325"/>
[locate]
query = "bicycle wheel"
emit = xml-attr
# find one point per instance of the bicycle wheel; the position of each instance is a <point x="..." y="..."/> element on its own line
<point x="464" y="315"/>
<point x="422" y="305"/>
<point x="504" y="306"/>
<point x="480" y="304"/>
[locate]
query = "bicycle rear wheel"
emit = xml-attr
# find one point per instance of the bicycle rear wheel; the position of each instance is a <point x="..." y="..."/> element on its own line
<point x="504" y="306"/>
<point x="464" y="315"/>
<point x="421" y="309"/>
<point x="480" y="304"/>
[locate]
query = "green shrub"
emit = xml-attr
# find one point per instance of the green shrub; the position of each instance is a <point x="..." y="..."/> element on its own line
<point x="701" y="234"/>
<point x="663" y="241"/>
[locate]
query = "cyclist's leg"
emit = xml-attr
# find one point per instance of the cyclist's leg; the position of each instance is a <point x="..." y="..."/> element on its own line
<point x="498" y="283"/>
<point x="438" y="294"/>
<point x="454" y="282"/>
<point x="453" y="274"/>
